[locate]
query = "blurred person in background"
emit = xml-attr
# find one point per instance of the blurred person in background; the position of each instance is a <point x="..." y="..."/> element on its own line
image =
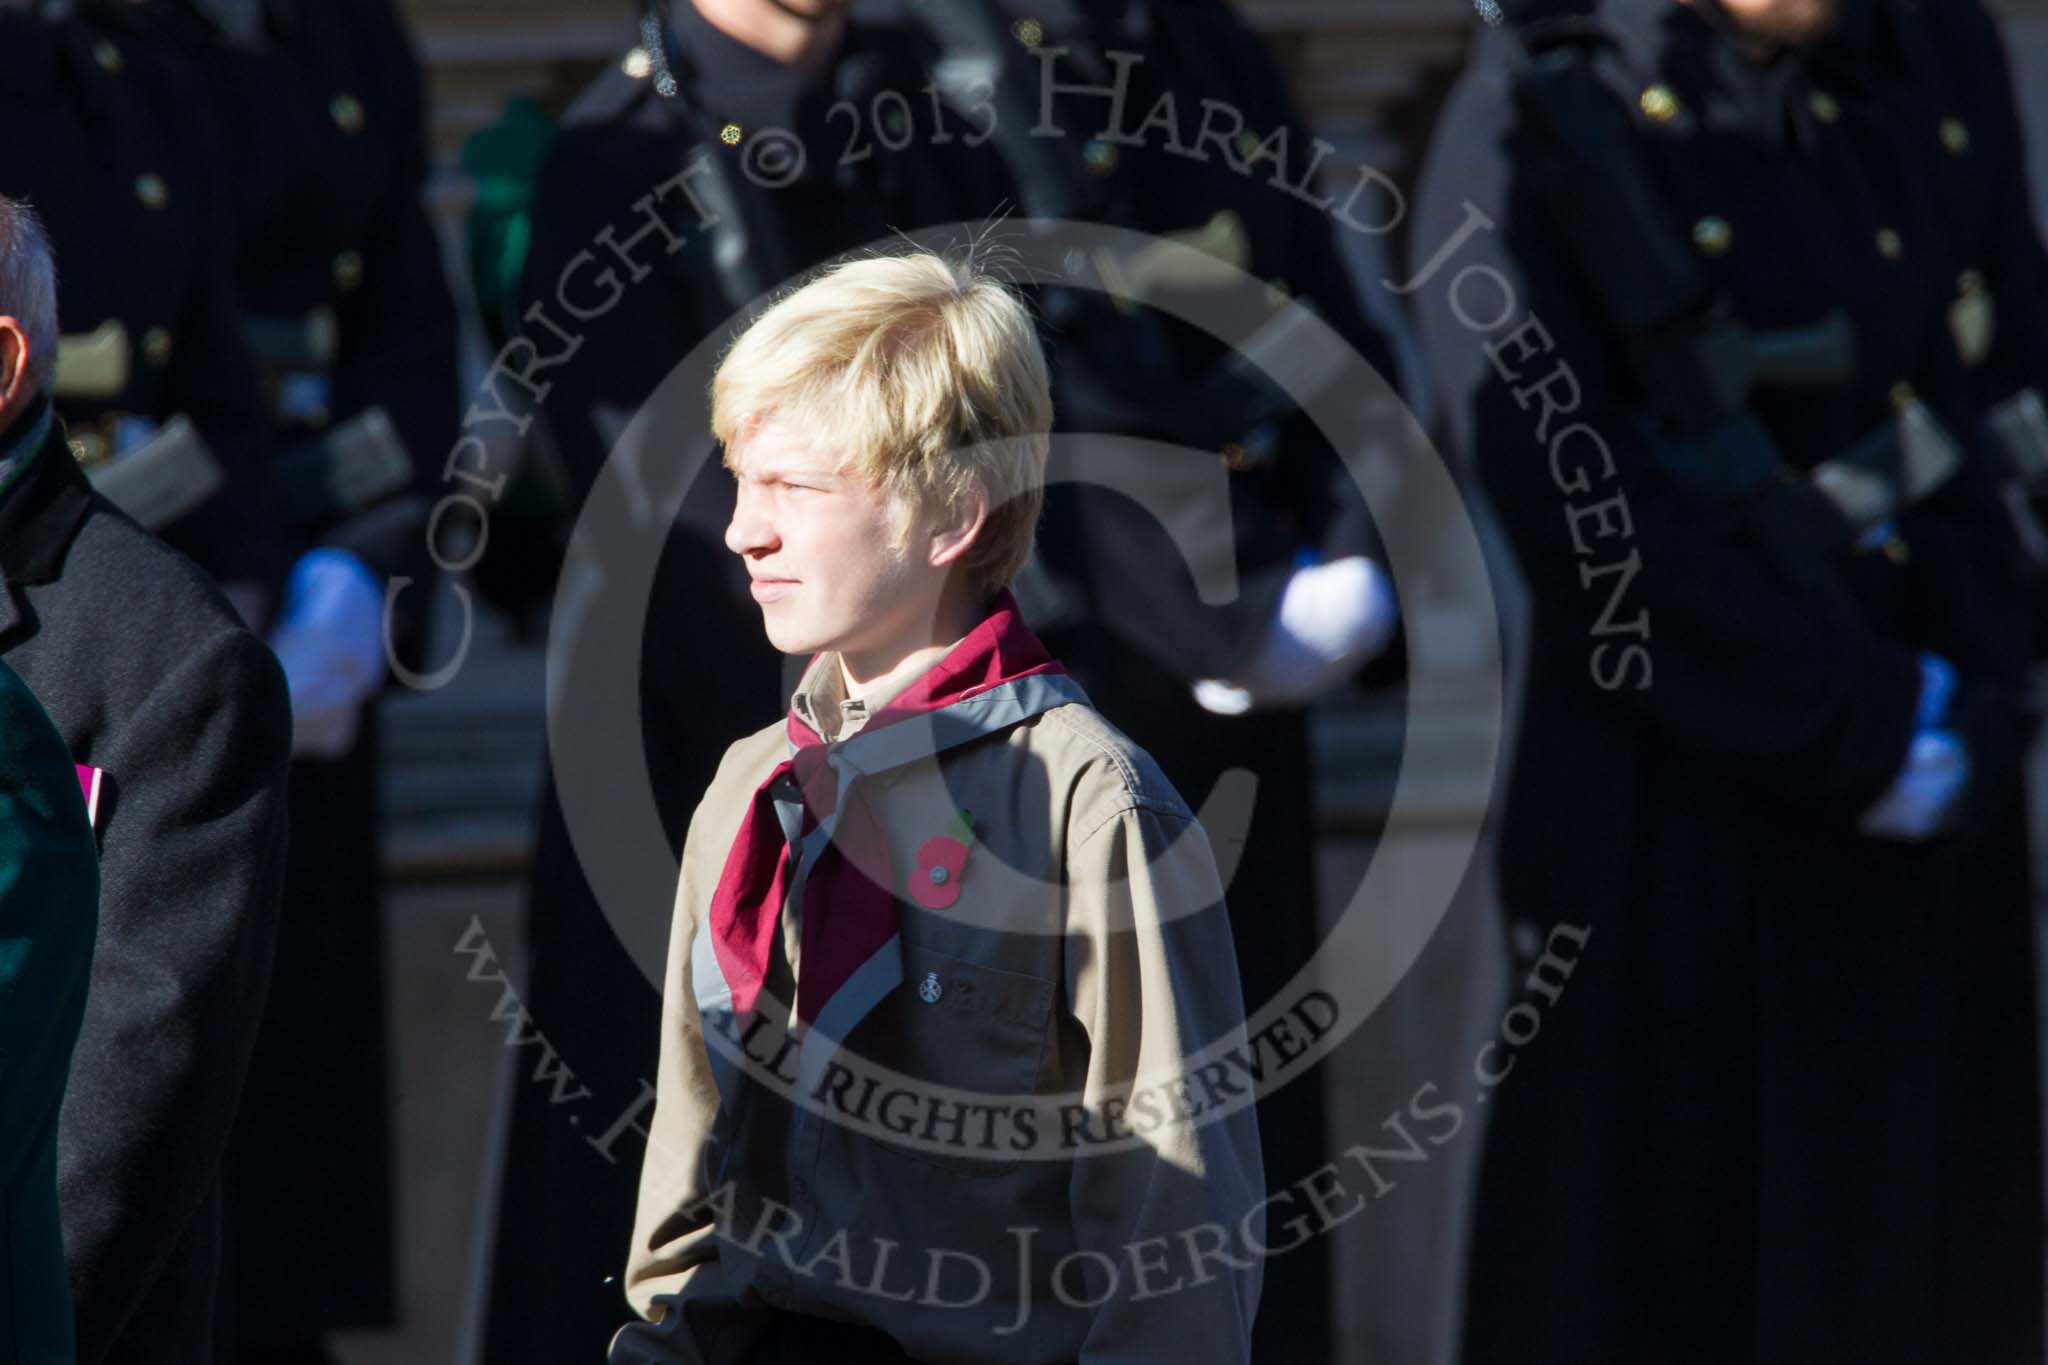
<point x="1933" y="81"/>
<point x="183" y="718"/>
<point x="49" y="905"/>
<point x="1693" y="326"/>
<point x="729" y="67"/>
<point x="153" y="333"/>
<point x="343" y="299"/>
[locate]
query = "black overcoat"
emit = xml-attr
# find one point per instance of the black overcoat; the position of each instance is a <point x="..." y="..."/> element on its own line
<point x="1935" y="80"/>
<point x="149" y="675"/>
<point x="1718" y="1141"/>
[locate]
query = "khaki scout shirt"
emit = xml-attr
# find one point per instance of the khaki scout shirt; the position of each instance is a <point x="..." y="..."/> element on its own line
<point x="1004" y="1160"/>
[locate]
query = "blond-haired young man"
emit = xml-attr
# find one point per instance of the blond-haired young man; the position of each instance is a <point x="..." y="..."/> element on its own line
<point x="945" y="942"/>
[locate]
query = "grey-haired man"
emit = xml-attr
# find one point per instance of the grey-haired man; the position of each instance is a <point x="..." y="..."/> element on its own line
<point x="153" y="682"/>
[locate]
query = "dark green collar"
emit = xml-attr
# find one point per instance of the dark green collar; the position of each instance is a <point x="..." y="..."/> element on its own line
<point x="42" y="507"/>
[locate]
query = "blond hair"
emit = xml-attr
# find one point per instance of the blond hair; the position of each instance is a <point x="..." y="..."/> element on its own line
<point x="928" y="374"/>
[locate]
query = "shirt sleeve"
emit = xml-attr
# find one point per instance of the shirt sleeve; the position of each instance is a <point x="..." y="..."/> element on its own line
<point x="667" y="1245"/>
<point x="675" y="1230"/>
<point x="1152" y="978"/>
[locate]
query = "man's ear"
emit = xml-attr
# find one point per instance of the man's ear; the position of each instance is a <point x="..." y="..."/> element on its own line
<point x="14" y="380"/>
<point x="954" y="532"/>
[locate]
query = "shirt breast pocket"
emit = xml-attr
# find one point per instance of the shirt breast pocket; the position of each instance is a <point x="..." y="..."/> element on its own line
<point x="954" y="1026"/>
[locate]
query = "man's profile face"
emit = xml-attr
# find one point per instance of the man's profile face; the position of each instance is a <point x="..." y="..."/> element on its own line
<point x="820" y="547"/>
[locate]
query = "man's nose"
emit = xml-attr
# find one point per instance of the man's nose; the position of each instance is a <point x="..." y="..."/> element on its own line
<point x="750" y="531"/>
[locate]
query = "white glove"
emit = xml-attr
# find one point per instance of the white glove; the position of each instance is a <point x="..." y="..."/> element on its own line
<point x="330" y="639"/>
<point x="1923" y="799"/>
<point x="1333" y="618"/>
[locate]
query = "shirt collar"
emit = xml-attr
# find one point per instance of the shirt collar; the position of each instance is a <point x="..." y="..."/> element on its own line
<point x="821" y="701"/>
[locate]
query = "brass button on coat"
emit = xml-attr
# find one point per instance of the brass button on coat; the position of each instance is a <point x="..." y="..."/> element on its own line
<point x="348" y="270"/>
<point x="156" y="347"/>
<point x="1955" y="135"/>
<point x="1713" y="236"/>
<point x="347" y="112"/>
<point x="1825" y="107"/>
<point x="1890" y="245"/>
<point x="1973" y="318"/>
<point x="108" y="56"/>
<point x="1659" y="104"/>
<point x="151" y="190"/>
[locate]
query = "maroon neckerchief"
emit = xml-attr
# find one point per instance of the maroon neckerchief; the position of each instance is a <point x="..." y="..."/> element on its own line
<point x="847" y="915"/>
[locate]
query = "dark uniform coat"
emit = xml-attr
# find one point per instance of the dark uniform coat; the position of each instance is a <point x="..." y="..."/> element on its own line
<point x="322" y="124"/>
<point x="1720" y="1144"/>
<point x="566" y="1207"/>
<point x="1935" y="79"/>
<point x="49" y="905"/>
<point x="115" y="148"/>
<point x="150" y="676"/>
